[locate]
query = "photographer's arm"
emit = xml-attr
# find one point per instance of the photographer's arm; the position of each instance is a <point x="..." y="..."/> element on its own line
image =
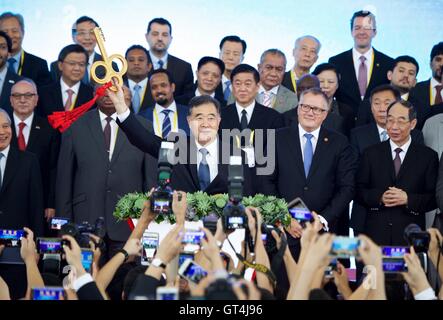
<point x="290" y="264"/>
<point x="143" y="222"/>
<point x="27" y="252"/>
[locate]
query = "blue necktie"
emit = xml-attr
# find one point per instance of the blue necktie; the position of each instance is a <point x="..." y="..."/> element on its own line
<point x="227" y="92"/>
<point x="136" y="99"/>
<point x="11" y="64"/>
<point x="308" y="153"/>
<point x="160" y="64"/>
<point x="203" y="171"/>
<point x="166" y="127"/>
<point x="384" y="136"/>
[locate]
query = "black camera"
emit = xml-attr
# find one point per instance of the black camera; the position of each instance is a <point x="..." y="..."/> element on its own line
<point x="268" y="239"/>
<point x="210" y="222"/>
<point x="80" y="232"/>
<point x="234" y="216"/>
<point x="417" y="238"/>
<point x="161" y="198"/>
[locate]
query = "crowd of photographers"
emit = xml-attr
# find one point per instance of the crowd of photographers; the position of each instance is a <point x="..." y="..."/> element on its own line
<point x="211" y="274"/>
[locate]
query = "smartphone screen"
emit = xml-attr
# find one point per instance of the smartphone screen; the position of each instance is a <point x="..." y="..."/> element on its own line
<point x="87" y="259"/>
<point x="57" y="223"/>
<point x="394" y="265"/>
<point x="149" y="244"/>
<point x="395" y="252"/>
<point x="192" y="237"/>
<point x="301" y="214"/>
<point x="167" y="293"/>
<point x="345" y="247"/>
<point x="161" y="206"/>
<point x="11" y="238"/>
<point x="48" y="293"/>
<point x="236" y="222"/>
<point x="49" y="245"/>
<point x="183" y="257"/>
<point x="192" y="271"/>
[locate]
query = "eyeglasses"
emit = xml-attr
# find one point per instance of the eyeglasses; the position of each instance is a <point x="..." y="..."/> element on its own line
<point x="365" y="28"/>
<point x="27" y="96"/>
<point x="73" y="64"/>
<point x="400" y="122"/>
<point x="316" y="110"/>
<point x="84" y="34"/>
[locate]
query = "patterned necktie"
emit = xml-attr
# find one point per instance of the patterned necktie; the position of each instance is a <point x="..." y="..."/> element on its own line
<point x="397" y="161"/>
<point x="12" y="64"/>
<point x="227" y="92"/>
<point x="1" y="173"/>
<point x="308" y="153"/>
<point x="204" y="176"/>
<point x="136" y="99"/>
<point x="68" y="103"/>
<point x="160" y="64"/>
<point x="267" y="99"/>
<point x="166" y="127"/>
<point x="362" y="76"/>
<point x="438" y="97"/>
<point x="243" y="120"/>
<point x="384" y="135"/>
<point x="107" y="134"/>
<point x="21" y="138"/>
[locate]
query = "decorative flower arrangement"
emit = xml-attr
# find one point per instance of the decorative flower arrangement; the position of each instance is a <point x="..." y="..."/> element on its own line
<point x="200" y="204"/>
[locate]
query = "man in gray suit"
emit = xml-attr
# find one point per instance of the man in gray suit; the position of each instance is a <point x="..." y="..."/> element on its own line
<point x="272" y="93"/>
<point x="97" y="165"/>
<point x="433" y="133"/>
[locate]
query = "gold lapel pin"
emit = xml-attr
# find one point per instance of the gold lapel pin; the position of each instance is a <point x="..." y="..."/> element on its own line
<point x="325" y="139"/>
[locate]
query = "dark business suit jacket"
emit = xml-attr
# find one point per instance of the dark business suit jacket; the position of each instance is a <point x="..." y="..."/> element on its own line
<point x="362" y="138"/>
<point x="182" y="113"/>
<point x="147" y="101"/>
<point x="348" y="91"/>
<point x="185" y="175"/>
<point x="417" y="177"/>
<point x="421" y="99"/>
<point x="21" y="196"/>
<point x="51" y="99"/>
<point x="44" y="142"/>
<point x="5" y="102"/>
<point x="184" y="99"/>
<point x="182" y="75"/>
<point x="88" y="185"/>
<point x="36" y="68"/>
<point x="89" y="291"/>
<point x="287" y="82"/>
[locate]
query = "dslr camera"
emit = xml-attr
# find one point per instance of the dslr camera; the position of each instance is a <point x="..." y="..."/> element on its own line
<point x="161" y="198"/>
<point x="234" y="216"/>
<point x="417" y="238"/>
<point x="80" y="232"/>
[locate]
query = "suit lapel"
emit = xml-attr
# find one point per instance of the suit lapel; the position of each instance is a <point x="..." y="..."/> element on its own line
<point x="387" y="154"/>
<point x="95" y="127"/>
<point x="351" y="75"/>
<point x="295" y="149"/>
<point x="373" y="135"/>
<point x="408" y="162"/>
<point x="12" y="165"/>
<point x="119" y="143"/>
<point x="34" y="134"/>
<point x="58" y="98"/>
<point x="256" y="117"/>
<point x="192" y="163"/>
<point x="321" y="151"/>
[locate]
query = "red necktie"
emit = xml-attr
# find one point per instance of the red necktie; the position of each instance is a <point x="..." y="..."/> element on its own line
<point x="438" y="97"/>
<point x="21" y="137"/>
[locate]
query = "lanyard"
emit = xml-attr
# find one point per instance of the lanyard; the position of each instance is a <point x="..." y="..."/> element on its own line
<point x="294" y="83"/>
<point x="157" y="121"/>
<point x="74" y="102"/>
<point x="20" y="66"/>
<point x="371" y="67"/>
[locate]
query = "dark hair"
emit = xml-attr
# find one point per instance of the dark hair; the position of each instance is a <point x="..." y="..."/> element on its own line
<point x="385" y="87"/>
<point x="245" y="68"/>
<point x="437" y="50"/>
<point x="362" y="14"/>
<point x="314" y="82"/>
<point x="164" y="71"/>
<point x="326" y="67"/>
<point x="70" y="49"/>
<point x="233" y="39"/>
<point x="138" y="47"/>
<point x="130" y="278"/>
<point x="316" y="92"/>
<point x="161" y="21"/>
<point x="8" y="40"/>
<point x="18" y="16"/>
<point x="412" y="113"/>
<point x="203" y="99"/>
<point x="407" y="59"/>
<point x="85" y="19"/>
<point x="216" y="61"/>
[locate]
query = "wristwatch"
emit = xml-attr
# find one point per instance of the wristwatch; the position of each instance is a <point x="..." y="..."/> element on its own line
<point x="125" y="253"/>
<point x="156" y="262"/>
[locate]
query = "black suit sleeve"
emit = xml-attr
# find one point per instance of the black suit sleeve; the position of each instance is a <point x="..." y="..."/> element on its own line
<point x="89" y="292"/>
<point x="367" y="196"/>
<point x="144" y="286"/>
<point x="140" y="136"/>
<point x="36" y="206"/>
<point x="439" y="190"/>
<point x="188" y="85"/>
<point x="268" y="184"/>
<point x="53" y="158"/>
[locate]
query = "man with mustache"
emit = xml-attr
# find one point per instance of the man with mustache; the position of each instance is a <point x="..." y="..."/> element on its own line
<point x="166" y="116"/>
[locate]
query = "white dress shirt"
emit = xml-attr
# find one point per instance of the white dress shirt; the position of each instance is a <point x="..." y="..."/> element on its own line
<point x="404" y="149"/>
<point x="249" y="110"/>
<point x="114" y="130"/>
<point x="380" y="132"/>
<point x="65" y="87"/>
<point x="3" y="161"/>
<point x="198" y="93"/>
<point x="211" y="157"/>
<point x="155" y="61"/>
<point x="3" y="77"/>
<point x="368" y="62"/>
<point x="26" y="129"/>
<point x="433" y="90"/>
<point x="161" y="117"/>
<point x="90" y="62"/>
<point x="273" y="93"/>
<point x="303" y="139"/>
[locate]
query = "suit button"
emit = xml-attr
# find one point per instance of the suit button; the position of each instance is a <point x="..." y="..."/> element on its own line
<point x="390" y="224"/>
<point x="1" y="212"/>
<point x="306" y="188"/>
<point x="109" y="171"/>
<point x="108" y="191"/>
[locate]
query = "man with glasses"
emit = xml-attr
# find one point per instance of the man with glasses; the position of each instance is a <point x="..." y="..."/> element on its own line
<point x="69" y="91"/>
<point x="7" y="76"/>
<point x="34" y="134"/>
<point x="362" y="68"/>
<point x="396" y="179"/>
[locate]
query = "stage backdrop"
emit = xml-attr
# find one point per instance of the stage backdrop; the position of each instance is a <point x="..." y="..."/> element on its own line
<point x="404" y="27"/>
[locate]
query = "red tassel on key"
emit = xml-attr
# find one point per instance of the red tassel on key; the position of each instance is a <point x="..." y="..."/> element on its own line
<point x="62" y="120"/>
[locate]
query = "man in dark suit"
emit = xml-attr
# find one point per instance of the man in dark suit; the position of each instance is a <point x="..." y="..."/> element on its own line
<point x="209" y="74"/>
<point x="7" y="76"/>
<point x="305" y="53"/>
<point x="362" y="68"/>
<point x="203" y="158"/>
<point x="159" y="37"/>
<point x="166" y="116"/>
<point x="97" y="165"/>
<point x="34" y="134"/>
<point x="21" y="62"/>
<point x="396" y="179"/>
<point x="69" y="92"/>
<point x="428" y="94"/>
<point x="83" y="34"/>
<point x="139" y="66"/>
<point x="439" y="196"/>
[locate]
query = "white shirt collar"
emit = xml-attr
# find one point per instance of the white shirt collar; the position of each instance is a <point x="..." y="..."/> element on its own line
<point x="173" y="107"/>
<point x="104" y="116"/>
<point x="368" y="54"/>
<point x="212" y="147"/>
<point x="142" y="83"/>
<point x="380" y="129"/>
<point x="6" y="152"/>
<point x="155" y="60"/>
<point x="302" y="132"/>
<point x="198" y="93"/>
<point x="27" y="121"/>
<point x="18" y="56"/>
<point x="434" y="83"/>
<point x="91" y="59"/>
<point x="224" y="79"/>
<point x="274" y="90"/>
<point x="404" y="147"/>
<point x="249" y="109"/>
<point x="75" y="87"/>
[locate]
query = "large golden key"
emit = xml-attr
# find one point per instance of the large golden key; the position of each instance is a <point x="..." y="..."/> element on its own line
<point x="110" y="73"/>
